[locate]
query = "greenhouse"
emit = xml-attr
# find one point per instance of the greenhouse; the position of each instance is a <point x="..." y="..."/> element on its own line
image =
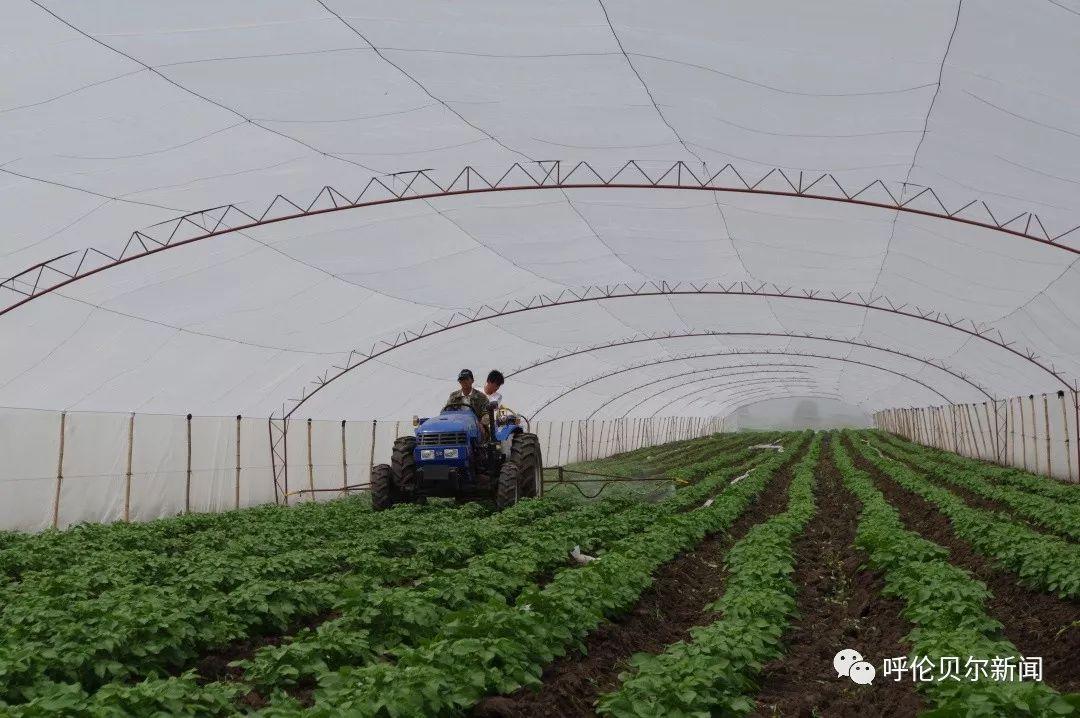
<point x="754" y="320"/>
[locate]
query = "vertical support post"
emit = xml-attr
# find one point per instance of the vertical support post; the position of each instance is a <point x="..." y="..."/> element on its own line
<point x="1012" y="420"/>
<point x="285" y="461"/>
<point x="1046" y="422"/>
<point x="1076" y="410"/>
<point x="371" y="455"/>
<point x="1023" y="430"/>
<point x="980" y="439"/>
<point x="310" y="465"/>
<point x="344" y="463"/>
<point x="547" y="449"/>
<point x="59" y="472"/>
<point x="558" y="461"/>
<point x="236" y="503"/>
<point x="187" y="482"/>
<point x="1034" y="433"/>
<point x="995" y="432"/>
<point x="951" y="408"/>
<point x="273" y="457"/>
<point x="1065" y="429"/>
<point x="127" y="474"/>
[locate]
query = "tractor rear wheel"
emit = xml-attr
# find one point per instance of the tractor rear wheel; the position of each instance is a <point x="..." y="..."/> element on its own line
<point x="525" y="452"/>
<point x="403" y="465"/>
<point x="382" y="487"/>
<point x="509" y="486"/>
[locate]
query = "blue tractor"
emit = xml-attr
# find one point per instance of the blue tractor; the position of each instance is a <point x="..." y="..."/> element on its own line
<point x="451" y="455"/>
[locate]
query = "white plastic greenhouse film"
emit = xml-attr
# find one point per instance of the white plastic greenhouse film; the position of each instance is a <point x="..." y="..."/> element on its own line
<point x="29" y="443"/>
<point x="159" y="466"/>
<point x="96" y="449"/>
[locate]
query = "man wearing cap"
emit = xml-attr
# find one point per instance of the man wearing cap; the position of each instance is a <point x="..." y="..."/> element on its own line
<point x="466" y="396"/>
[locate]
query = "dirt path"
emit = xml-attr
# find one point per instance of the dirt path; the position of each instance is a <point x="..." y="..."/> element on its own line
<point x="840" y="607"/>
<point x="666" y="611"/>
<point x="1038" y="624"/>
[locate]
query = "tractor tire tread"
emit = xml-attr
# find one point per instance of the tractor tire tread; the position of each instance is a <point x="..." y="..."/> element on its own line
<point x="382" y="487"/>
<point x="508" y="491"/>
<point x="525" y="452"/>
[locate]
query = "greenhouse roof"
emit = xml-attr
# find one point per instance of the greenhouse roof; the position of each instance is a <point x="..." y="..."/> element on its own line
<point x="328" y="207"/>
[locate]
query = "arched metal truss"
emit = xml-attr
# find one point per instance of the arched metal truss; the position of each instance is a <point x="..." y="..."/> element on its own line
<point x="757" y="369"/>
<point x="50" y="275"/>
<point x="667" y="360"/>
<point x="558" y="356"/>
<point x="569" y="297"/>
<point x="778" y="381"/>
<point x="754" y="398"/>
<point x="806" y="384"/>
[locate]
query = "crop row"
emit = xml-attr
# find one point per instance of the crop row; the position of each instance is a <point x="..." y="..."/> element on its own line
<point x="1060" y="517"/>
<point x="494" y="648"/>
<point x="91" y="626"/>
<point x="173" y="634"/>
<point x="1043" y="562"/>
<point x="946" y="606"/>
<point x="380" y="621"/>
<point x="1007" y="475"/>
<point x="376" y="623"/>
<point x="138" y="629"/>
<point x="713" y="672"/>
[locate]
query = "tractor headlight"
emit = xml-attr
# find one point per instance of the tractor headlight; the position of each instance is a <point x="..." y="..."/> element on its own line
<point x="450" y="453"/>
<point x="427" y="454"/>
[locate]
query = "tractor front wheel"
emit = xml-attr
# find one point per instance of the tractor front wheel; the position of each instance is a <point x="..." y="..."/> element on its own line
<point x="403" y="465"/>
<point x="382" y="487"/>
<point x="509" y="486"/>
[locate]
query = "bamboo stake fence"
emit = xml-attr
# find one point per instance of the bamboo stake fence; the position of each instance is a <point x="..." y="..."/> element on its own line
<point x="1041" y="441"/>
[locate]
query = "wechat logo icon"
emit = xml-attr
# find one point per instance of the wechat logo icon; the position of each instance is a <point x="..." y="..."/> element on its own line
<point x="850" y="663"/>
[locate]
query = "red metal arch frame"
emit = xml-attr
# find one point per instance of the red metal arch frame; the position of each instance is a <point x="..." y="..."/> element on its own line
<point x="664" y="289"/>
<point x="667" y="360"/>
<point x="50" y="275"/>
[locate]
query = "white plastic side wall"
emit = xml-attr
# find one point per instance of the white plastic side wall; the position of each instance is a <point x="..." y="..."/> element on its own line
<point x="1037" y="433"/>
<point x="184" y="464"/>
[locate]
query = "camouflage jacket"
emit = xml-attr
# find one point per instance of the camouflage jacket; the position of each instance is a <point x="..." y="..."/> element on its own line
<point x="477" y="402"/>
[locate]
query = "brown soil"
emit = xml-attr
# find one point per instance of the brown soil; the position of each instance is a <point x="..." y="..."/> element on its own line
<point x="214" y="665"/>
<point x="839" y="607"/>
<point x="1038" y="624"/>
<point x="674" y="603"/>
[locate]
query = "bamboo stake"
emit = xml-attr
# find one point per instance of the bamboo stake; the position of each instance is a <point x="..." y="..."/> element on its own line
<point x="1023" y="431"/>
<point x="976" y="439"/>
<point x="310" y="466"/>
<point x="558" y="462"/>
<point x="994" y="433"/>
<point x="187" y="484"/>
<point x="1012" y="414"/>
<point x="371" y="456"/>
<point x="344" y="463"/>
<point x="127" y="475"/>
<point x="59" y="472"/>
<point x="237" y="491"/>
<point x="1065" y="429"/>
<point x="976" y="425"/>
<point x="1046" y="420"/>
